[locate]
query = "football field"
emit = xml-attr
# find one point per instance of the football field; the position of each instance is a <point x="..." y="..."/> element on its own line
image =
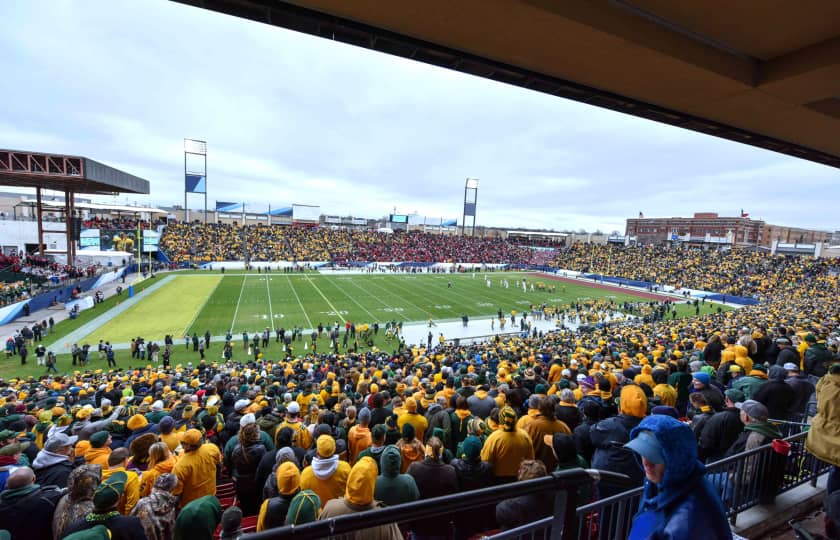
<point x="239" y="302"/>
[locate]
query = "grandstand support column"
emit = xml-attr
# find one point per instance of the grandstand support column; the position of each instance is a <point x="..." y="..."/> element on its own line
<point x="40" y="221"/>
<point x="470" y="201"/>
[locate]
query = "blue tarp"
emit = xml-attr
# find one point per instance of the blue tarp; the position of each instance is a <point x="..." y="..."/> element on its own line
<point x="739" y="300"/>
<point x="618" y="280"/>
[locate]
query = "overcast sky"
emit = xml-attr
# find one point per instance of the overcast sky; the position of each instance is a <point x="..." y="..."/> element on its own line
<point x="291" y="118"/>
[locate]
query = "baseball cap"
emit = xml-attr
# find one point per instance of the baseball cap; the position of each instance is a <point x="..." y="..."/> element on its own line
<point x="646" y="445"/>
<point x="192" y="437"/>
<point x="293" y="407"/>
<point x="735" y="395"/>
<point x="59" y="440"/>
<point x="754" y="409"/>
<point x="782" y="341"/>
<point x="241" y="404"/>
<point x="790" y="366"/>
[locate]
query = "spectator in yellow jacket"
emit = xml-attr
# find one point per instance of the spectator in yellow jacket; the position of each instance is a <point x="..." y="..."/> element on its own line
<point x="196" y="469"/>
<point x="327" y="476"/>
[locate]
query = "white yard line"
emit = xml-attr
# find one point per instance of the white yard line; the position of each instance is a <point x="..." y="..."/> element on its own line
<point x="327" y="300"/>
<point x="391" y="313"/>
<point x="372" y="316"/>
<point x="197" y="313"/>
<point x="309" y="322"/>
<point x="236" y="311"/>
<point x="388" y="292"/>
<point x="270" y="312"/>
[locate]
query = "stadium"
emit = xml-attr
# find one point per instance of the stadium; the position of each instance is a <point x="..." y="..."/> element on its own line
<point x="300" y="366"/>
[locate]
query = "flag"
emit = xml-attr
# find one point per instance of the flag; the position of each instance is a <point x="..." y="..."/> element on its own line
<point x="744" y="214"/>
<point x="222" y="206"/>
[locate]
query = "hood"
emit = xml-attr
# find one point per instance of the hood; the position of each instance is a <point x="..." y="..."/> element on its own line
<point x="361" y="482"/>
<point x="434" y="408"/>
<point x="765" y="428"/>
<point x="633" y="401"/>
<point x="481" y="394"/>
<point x="199" y="518"/>
<point x="323" y="469"/>
<point x="46" y="459"/>
<point x="94" y="453"/>
<point x="679" y="448"/>
<point x="83" y="481"/>
<point x="391" y="461"/>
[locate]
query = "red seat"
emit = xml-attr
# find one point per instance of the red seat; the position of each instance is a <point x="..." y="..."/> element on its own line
<point x="249" y="524"/>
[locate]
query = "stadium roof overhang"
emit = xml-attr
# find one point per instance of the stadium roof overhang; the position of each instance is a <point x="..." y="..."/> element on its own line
<point x="760" y="72"/>
<point x="75" y="174"/>
<point x="95" y="207"/>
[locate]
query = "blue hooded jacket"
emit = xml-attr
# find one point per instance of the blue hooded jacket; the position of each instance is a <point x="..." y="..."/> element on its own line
<point x="684" y="504"/>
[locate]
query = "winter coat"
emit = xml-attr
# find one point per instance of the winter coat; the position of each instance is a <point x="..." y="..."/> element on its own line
<point x="817" y="359"/>
<point x="196" y="472"/>
<point x="27" y="512"/>
<point x="777" y="396"/>
<point x="326" y="477"/>
<point x="749" y="385"/>
<point x="802" y="390"/>
<point x="119" y="527"/>
<point x="438" y="417"/>
<point x="391" y="486"/>
<point x="583" y="443"/>
<point x="608" y="438"/>
<point x="156" y="513"/>
<point x="505" y="450"/>
<point x="824" y="436"/>
<point x="151" y="428"/>
<point x="52" y="469"/>
<point x="78" y="501"/>
<point x="719" y="433"/>
<point x="473" y="475"/>
<point x="433" y="479"/>
<point x="755" y="434"/>
<point x="458" y="421"/>
<point x="684" y="504"/>
<point x="358" y="497"/>
<point x="358" y="438"/>
<point x="537" y="429"/>
<point x="525" y="509"/>
<point x="481" y="404"/>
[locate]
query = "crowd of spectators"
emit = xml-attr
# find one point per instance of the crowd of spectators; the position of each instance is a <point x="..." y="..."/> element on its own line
<point x="143" y="450"/>
<point x="121" y="223"/>
<point x="225" y="242"/>
<point x="739" y="271"/>
<point x="199" y="243"/>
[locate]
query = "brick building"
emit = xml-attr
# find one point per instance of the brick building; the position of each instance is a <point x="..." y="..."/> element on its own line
<point x="704" y="227"/>
<point x="711" y="229"/>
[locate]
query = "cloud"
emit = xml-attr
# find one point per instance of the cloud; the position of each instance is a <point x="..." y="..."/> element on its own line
<point x="291" y="118"/>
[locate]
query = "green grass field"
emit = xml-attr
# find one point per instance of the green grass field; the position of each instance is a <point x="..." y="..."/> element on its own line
<point x="237" y="302"/>
<point x="252" y="302"/>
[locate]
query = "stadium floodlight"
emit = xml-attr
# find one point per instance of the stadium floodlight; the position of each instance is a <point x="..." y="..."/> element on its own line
<point x="472" y="183"/>
<point x="193" y="146"/>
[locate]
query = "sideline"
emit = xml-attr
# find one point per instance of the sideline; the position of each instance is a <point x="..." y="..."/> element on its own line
<point x="63" y="345"/>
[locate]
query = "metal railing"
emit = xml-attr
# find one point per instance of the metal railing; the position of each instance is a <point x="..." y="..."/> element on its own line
<point x="561" y="485"/>
<point x="744" y="480"/>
